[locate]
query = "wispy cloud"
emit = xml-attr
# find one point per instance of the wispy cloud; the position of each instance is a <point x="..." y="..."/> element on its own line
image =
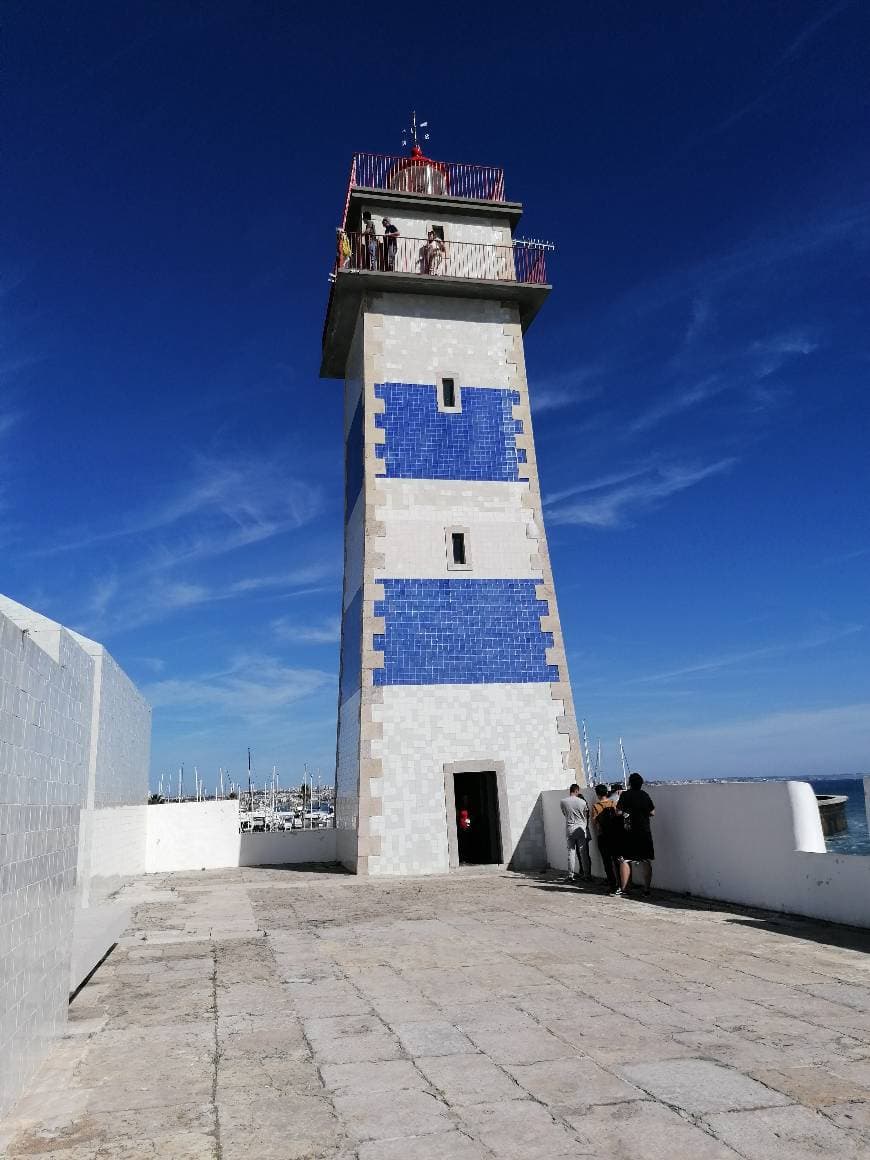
<point x="565" y="390"/>
<point x="764" y="652"/>
<point x="676" y="402"/>
<point x="234" y="504"/>
<point x="327" y="631"/>
<point x="702" y="313"/>
<point x="613" y="504"/>
<point x="250" y="689"/>
<point x="809" y="30"/>
<point x="118" y="605"/>
<point x="770" y="354"/>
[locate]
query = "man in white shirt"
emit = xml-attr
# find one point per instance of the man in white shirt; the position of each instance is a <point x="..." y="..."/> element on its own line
<point x="576" y="812"/>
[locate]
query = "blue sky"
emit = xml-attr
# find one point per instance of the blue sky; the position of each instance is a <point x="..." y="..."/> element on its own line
<point x="170" y="463"/>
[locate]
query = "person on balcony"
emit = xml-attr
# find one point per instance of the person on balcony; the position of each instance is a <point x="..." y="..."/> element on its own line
<point x="371" y="243"/>
<point x="432" y="254"/>
<point x="391" y="244"/>
<point x="342" y="249"/>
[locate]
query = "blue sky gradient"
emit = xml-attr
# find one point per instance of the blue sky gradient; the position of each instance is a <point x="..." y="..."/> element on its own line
<point x="170" y="463"/>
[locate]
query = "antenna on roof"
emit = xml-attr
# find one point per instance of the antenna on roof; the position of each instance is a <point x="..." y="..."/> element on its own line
<point x="413" y="134"/>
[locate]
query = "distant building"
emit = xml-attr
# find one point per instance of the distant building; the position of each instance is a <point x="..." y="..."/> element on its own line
<point x="455" y="702"/>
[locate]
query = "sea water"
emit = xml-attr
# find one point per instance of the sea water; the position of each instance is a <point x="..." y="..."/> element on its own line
<point x="856" y="839"/>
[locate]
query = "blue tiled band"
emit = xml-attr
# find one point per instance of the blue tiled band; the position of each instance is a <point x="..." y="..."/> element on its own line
<point x="477" y="442"/>
<point x="450" y="632"/>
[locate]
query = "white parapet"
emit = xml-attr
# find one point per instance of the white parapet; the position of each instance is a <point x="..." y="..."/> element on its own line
<point x="753" y="843"/>
<point x="192" y="836"/>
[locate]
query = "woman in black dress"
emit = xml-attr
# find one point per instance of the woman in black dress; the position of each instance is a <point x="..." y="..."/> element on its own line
<point x="636" y="807"/>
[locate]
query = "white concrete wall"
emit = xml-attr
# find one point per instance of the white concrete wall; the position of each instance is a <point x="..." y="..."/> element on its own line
<point x="192" y="836"/>
<point x="46" y="683"/>
<point x="753" y="843"/>
<point x="502" y="533"/>
<point x="423" y="337"/>
<point x="117" y="846"/>
<point x="428" y="726"/>
<point x="288" y="848"/>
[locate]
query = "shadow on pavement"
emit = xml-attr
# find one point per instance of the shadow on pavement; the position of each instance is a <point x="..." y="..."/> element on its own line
<point x="793" y="925"/>
<point x="304" y="868"/>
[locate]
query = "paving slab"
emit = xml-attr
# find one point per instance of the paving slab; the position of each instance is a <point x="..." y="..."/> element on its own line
<point x="853" y="1117"/>
<point x="469" y="1079"/>
<point x="278" y="1128"/>
<point x="697" y="1086"/>
<point x="372" y="1078"/>
<point x="794" y="1133"/>
<point x="644" y="1131"/>
<point x="438" y="1146"/>
<point x="812" y="1086"/>
<point x="521" y="1130"/>
<point x="572" y="1083"/>
<point x="433" y="1038"/>
<point x="407" y="1112"/>
<point x="531" y="1046"/>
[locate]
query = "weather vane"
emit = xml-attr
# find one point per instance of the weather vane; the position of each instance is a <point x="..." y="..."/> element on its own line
<point x="413" y="134"/>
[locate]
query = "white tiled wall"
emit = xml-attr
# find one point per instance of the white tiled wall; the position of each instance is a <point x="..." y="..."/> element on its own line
<point x="45" y="719"/>
<point x="74" y="747"/>
<point x="424" y="337"/>
<point x="427" y="726"/>
<point x="502" y="535"/>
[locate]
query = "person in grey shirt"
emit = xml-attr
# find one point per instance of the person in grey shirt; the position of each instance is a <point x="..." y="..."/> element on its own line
<point x="576" y="813"/>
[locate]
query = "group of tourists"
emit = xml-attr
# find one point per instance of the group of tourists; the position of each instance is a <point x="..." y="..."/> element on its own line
<point x="620" y="821"/>
<point x="371" y="251"/>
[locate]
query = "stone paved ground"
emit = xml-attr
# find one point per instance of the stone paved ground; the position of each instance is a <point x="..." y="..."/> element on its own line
<point x="271" y="1013"/>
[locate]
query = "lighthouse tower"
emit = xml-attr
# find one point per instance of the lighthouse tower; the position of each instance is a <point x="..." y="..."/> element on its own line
<point x="455" y="706"/>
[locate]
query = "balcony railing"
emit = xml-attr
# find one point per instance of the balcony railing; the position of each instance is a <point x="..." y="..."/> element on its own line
<point x="521" y="262"/>
<point x="421" y="175"/>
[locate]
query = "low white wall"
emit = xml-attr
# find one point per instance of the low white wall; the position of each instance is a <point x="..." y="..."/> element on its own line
<point x="117" y="846"/>
<point x="205" y="836"/>
<point x="288" y="846"/>
<point x="753" y="843"/>
<point x="192" y="836"/>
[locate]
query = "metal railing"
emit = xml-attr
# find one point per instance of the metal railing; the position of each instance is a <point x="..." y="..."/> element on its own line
<point x="521" y="262"/>
<point x="421" y="175"/>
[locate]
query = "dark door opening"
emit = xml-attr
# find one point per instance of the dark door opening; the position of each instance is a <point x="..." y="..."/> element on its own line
<point x="478" y="832"/>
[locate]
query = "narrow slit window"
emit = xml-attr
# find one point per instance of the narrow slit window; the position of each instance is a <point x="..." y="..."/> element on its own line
<point x="458" y="540"/>
<point x="448" y="392"/>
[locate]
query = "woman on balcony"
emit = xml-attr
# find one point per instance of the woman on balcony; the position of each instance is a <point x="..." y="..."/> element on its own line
<point x="432" y="254"/>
